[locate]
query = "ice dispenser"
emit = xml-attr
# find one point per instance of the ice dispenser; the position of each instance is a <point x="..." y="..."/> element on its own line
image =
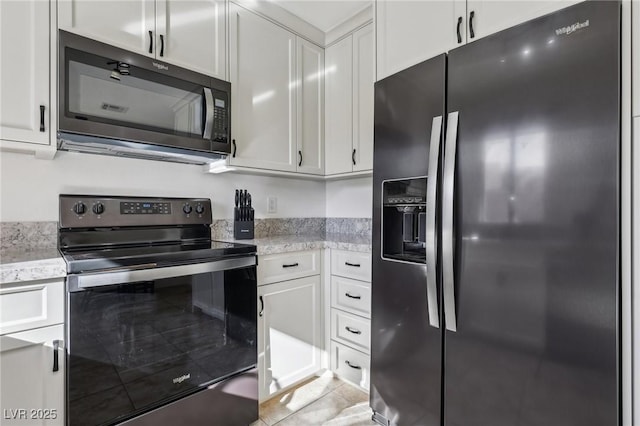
<point x="404" y="219"/>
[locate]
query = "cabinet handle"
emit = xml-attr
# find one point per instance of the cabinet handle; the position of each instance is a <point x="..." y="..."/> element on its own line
<point x="42" y="118"/>
<point x="357" y="367"/>
<point x="458" y="29"/>
<point x="291" y="265"/>
<point x="355" y="265"/>
<point x="353" y="156"/>
<point x="472" y="14"/>
<point x="351" y="296"/>
<point x="261" y="306"/>
<point x="150" y="41"/>
<point x="353" y="330"/>
<point x="233" y="141"/>
<point x="161" y="45"/>
<point x="300" y="155"/>
<point x="56" y="345"/>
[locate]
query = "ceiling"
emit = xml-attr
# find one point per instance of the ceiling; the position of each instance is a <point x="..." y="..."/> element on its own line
<point x="325" y="15"/>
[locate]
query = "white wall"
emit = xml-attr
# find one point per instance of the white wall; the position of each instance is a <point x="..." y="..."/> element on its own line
<point x="29" y="187"/>
<point x="349" y="198"/>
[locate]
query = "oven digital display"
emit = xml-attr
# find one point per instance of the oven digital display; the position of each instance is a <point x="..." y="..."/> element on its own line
<point x="131" y="207"/>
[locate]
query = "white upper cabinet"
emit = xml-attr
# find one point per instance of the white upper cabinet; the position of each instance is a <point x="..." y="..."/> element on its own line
<point x="127" y="24"/>
<point x="24" y="71"/>
<point x="363" y="90"/>
<point x="488" y="17"/>
<point x="194" y="34"/>
<point x="635" y="66"/>
<point x="408" y="32"/>
<point x="338" y="100"/>
<point x="310" y="107"/>
<point x="349" y="103"/>
<point x="263" y="77"/>
<point x="190" y="34"/>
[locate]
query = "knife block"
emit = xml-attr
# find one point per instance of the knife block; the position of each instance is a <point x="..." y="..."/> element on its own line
<point x="243" y="229"/>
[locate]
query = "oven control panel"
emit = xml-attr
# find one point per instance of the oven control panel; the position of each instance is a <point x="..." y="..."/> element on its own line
<point x="81" y="211"/>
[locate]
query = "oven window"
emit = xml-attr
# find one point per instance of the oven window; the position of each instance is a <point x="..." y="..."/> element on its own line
<point x="134" y="347"/>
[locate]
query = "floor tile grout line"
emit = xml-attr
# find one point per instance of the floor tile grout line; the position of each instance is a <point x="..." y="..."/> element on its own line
<point x="313" y="402"/>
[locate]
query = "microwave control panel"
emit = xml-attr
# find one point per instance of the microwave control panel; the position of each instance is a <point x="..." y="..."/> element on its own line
<point x="220" y="117"/>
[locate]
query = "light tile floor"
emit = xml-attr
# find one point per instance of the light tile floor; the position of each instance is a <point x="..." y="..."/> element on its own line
<point x="319" y="401"/>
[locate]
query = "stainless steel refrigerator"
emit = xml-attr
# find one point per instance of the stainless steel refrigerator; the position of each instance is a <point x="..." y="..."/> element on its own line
<point x="495" y="286"/>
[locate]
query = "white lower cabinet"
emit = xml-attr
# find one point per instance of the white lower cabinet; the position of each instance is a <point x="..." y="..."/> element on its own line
<point x="289" y="333"/>
<point x="32" y="371"/>
<point x="350" y="316"/>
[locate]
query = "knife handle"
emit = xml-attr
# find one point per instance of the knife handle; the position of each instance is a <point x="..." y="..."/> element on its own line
<point x="237" y="197"/>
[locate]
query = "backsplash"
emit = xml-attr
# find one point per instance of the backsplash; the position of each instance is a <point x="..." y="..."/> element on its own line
<point x="28" y="235"/>
<point x="38" y="235"/>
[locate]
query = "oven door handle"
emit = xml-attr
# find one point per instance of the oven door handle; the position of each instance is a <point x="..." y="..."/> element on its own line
<point x="79" y="282"/>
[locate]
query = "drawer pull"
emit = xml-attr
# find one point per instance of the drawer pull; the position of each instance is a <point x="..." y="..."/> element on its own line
<point x="261" y="306"/>
<point x="357" y="367"/>
<point x="351" y="296"/>
<point x="355" y="265"/>
<point x="291" y="265"/>
<point x="56" y="345"/>
<point x="353" y="330"/>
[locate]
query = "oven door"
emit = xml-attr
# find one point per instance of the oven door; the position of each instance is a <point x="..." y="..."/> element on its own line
<point x="140" y="339"/>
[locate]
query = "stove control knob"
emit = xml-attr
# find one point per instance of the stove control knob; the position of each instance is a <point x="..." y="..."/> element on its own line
<point x="186" y="208"/>
<point x="79" y="208"/>
<point x="98" y="208"/>
<point x="199" y="209"/>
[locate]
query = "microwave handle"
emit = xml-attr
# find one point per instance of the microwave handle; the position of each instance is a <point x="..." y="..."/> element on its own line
<point x="208" y="110"/>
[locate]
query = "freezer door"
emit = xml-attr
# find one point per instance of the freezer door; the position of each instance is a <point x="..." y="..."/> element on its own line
<point x="535" y="224"/>
<point x="406" y="336"/>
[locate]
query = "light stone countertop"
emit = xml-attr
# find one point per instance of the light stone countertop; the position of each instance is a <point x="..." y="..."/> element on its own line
<point x="290" y="243"/>
<point x="38" y="264"/>
<point x="29" y="265"/>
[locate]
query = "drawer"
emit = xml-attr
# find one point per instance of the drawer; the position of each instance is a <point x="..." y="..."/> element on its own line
<point x="31" y="304"/>
<point x="351" y="264"/>
<point x="351" y="330"/>
<point x="273" y="268"/>
<point x="351" y="295"/>
<point x="350" y="364"/>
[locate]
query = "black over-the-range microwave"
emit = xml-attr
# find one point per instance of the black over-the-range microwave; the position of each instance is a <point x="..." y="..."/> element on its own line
<point x="112" y="101"/>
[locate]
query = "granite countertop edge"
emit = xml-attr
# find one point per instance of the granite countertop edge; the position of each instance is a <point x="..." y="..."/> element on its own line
<point x="39" y="264"/>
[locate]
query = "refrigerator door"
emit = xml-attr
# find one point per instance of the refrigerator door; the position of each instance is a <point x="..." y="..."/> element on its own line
<point x="406" y="343"/>
<point x="536" y="224"/>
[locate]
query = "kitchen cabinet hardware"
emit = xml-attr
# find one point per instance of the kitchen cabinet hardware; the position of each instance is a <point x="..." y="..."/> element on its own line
<point x="355" y="265"/>
<point x="56" y="345"/>
<point x="353" y="156"/>
<point x="233" y="141"/>
<point x="472" y="15"/>
<point x="150" y="41"/>
<point x="261" y="313"/>
<point x="42" y="118"/>
<point x="351" y="296"/>
<point x="357" y="367"/>
<point x="290" y="265"/>
<point x="458" y="29"/>
<point x="161" y="45"/>
<point x="300" y="162"/>
<point x="353" y="330"/>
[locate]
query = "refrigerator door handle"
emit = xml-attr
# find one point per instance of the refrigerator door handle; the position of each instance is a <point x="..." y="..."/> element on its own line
<point x="447" y="221"/>
<point x="430" y="234"/>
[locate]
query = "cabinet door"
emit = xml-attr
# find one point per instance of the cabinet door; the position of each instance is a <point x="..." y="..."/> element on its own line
<point x="338" y="101"/>
<point x="289" y="330"/>
<point x="310" y="102"/>
<point x="129" y="24"/>
<point x="492" y="16"/>
<point x="363" y="78"/>
<point x="32" y="392"/>
<point x="24" y="71"/>
<point x="194" y="34"/>
<point x="408" y="32"/>
<point x="262" y="74"/>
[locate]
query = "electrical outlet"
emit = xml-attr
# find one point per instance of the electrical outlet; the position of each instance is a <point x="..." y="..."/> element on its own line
<point x="272" y="205"/>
